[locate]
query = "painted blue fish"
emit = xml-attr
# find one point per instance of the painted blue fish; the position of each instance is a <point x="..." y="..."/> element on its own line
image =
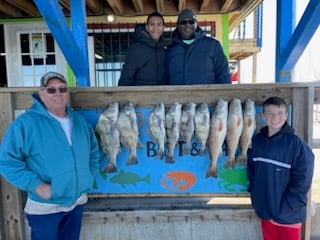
<point x="126" y="178"/>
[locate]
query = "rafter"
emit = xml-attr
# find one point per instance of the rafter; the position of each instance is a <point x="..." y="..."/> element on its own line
<point x="65" y="4"/>
<point x="159" y="4"/>
<point x="10" y="10"/>
<point x="228" y="4"/>
<point x="25" y="6"/>
<point x="138" y="6"/>
<point x="182" y="5"/>
<point x="204" y="5"/>
<point x="94" y="6"/>
<point x="116" y="6"/>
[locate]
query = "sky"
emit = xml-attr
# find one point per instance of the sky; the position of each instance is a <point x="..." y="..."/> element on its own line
<point x="307" y="68"/>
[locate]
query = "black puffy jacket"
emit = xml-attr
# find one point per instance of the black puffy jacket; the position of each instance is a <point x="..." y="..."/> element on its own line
<point x="202" y="62"/>
<point x="144" y="63"/>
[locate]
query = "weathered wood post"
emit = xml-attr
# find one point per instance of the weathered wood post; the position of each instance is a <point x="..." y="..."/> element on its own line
<point x="12" y="220"/>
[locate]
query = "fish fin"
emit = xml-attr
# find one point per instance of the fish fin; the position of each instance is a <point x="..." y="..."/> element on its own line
<point x="187" y="150"/>
<point x="160" y="155"/>
<point x="169" y="159"/>
<point x="230" y="162"/>
<point x="250" y="122"/>
<point x="132" y="160"/>
<point x="202" y="151"/>
<point x="139" y="145"/>
<point x="110" y="168"/>
<point x="212" y="173"/>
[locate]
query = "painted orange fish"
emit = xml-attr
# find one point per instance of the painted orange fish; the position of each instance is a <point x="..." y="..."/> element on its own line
<point x="176" y="180"/>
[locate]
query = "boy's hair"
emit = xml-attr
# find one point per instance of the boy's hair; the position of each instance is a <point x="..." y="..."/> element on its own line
<point x="155" y="14"/>
<point x="275" y="101"/>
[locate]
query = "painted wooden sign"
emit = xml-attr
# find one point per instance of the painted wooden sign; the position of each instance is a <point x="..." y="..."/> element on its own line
<point x="187" y="175"/>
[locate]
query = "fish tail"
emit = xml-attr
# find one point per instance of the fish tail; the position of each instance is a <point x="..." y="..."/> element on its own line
<point x="132" y="160"/>
<point x="187" y="150"/>
<point x="160" y="154"/>
<point x="202" y="151"/>
<point x="169" y="159"/>
<point x="140" y="145"/>
<point x="242" y="159"/>
<point x="212" y="172"/>
<point x="230" y="162"/>
<point x="111" y="168"/>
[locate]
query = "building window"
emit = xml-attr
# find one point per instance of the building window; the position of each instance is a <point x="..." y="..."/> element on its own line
<point x="37" y="52"/>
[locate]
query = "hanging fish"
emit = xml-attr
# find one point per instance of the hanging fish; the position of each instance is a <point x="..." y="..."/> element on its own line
<point x="234" y="130"/>
<point x="129" y="135"/>
<point x="218" y="131"/>
<point x="157" y="128"/>
<point x="109" y="135"/>
<point x="249" y="126"/>
<point x="187" y="125"/>
<point x="172" y="123"/>
<point x="202" y="126"/>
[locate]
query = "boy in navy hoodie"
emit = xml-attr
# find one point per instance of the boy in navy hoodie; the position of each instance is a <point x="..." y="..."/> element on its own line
<point x="280" y="170"/>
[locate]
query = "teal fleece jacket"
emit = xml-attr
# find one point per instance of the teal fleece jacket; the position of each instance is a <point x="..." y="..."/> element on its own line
<point x="35" y="149"/>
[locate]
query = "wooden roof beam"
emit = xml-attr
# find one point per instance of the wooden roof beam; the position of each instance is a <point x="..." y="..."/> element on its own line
<point x="25" y="6"/>
<point x="204" y="5"/>
<point x="116" y="6"/>
<point x="10" y="10"/>
<point x="160" y="7"/>
<point x="65" y="4"/>
<point x="94" y="6"/>
<point x="182" y="5"/>
<point x="227" y="5"/>
<point x="138" y="6"/>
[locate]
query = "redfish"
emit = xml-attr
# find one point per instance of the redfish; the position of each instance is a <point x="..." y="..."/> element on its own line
<point x="234" y="129"/>
<point x="218" y="131"/>
<point x="249" y="126"/>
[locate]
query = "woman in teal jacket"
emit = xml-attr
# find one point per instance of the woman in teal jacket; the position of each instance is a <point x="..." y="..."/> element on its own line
<point x="51" y="152"/>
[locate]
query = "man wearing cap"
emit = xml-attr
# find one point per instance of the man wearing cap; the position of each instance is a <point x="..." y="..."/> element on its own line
<point x="194" y="58"/>
<point x="51" y="152"/>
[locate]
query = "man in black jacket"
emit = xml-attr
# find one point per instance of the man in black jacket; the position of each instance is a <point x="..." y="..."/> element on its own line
<point x="144" y="63"/>
<point x="193" y="57"/>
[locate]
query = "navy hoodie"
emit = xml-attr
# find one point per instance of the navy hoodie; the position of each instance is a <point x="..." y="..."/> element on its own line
<point x="280" y="170"/>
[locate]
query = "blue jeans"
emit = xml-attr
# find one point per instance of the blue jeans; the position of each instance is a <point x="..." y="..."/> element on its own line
<point x="56" y="226"/>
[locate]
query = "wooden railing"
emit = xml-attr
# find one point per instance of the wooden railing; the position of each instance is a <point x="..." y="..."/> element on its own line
<point x="301" y="96"/>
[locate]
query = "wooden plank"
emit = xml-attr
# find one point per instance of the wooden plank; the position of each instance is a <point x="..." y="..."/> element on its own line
<point x="147" y="96"/>
<point x="12" y="218"/>
<point x="302" y="122"/>
<point x="302" y="110"/>
<point x="166" y="215"/>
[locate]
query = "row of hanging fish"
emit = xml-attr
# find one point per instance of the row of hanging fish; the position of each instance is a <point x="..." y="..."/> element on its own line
<point x="117" y="126"/>
<point x="231" y="124"/>
<point x="228" y="123"/>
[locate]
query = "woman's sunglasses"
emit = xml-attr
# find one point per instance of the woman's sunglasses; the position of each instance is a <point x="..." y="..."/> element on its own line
<point x="54" y="90"/>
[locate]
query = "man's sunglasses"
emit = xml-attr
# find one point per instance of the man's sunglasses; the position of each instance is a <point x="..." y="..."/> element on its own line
<point x="185" y="22"/>
<point x="54" y="90"/>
